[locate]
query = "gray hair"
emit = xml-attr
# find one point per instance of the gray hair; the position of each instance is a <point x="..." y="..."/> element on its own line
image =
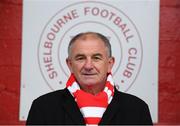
<point x="98" y="35"/>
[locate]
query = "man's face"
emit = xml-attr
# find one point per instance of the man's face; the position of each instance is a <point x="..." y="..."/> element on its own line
<point x="89" y="61"/>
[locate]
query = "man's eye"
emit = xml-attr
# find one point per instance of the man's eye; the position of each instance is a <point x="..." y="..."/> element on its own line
<point x="97" y="58"/>
<point x="79" y="58"/>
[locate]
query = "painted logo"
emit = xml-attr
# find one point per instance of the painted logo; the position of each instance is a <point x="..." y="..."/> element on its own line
<point x="90" y="16"/>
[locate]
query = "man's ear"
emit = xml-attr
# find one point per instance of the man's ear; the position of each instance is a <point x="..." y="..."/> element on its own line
<point x="111" y="64"/>
<point x="69" y="64"/>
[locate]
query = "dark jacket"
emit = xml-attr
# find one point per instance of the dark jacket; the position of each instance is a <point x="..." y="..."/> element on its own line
<point x="59" y="107"/>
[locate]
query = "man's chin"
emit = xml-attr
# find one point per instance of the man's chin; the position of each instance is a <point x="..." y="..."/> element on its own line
<point x="89" y="83"/>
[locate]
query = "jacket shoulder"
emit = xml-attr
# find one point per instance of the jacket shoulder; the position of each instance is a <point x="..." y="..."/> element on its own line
<point x="52" y="96"/>
<point x="48" y="108"/>
<point x="48" y="102"/>
<point x="127" y="109"/>
<point x="129" y="99"/>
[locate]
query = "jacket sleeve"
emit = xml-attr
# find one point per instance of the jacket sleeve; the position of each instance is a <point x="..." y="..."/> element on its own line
<point x="35" y="115"/>
<point x="145" y="115"/>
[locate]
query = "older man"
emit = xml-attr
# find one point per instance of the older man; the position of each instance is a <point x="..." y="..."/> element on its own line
<point x="90" y="96"/>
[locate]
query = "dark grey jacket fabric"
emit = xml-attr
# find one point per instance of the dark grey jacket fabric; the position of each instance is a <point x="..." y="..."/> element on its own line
<point x="59" y="107"/>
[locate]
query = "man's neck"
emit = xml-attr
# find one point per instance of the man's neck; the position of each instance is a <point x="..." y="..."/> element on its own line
<point x="93" y="89"/>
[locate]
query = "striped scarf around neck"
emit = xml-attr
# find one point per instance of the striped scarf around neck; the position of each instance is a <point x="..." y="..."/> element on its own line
<point x="91" y="106"/>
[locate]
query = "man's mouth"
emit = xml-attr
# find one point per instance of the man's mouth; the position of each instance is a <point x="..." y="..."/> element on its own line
<point x="88" y="74"/>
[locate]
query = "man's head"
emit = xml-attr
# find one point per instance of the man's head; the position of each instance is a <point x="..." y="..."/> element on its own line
<point x="98" y="35"/>
<point x="90" y="60"/>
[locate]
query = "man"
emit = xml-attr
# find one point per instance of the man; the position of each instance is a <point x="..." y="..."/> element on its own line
<point x="90" y="96"/>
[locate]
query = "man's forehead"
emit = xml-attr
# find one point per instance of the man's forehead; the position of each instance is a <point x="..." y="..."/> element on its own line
<point x="93" y="43"/>
<point x="89" y="49"/>
<point x="93" y="54"/>
<point x="89" y="44"/>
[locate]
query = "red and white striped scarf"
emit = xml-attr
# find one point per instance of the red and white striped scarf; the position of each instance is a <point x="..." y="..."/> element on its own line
<point x="91" y="106"/>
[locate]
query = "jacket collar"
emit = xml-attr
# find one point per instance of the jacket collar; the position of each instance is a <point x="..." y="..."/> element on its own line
<point x="72" y="109"/>
<point x="112" y="109"/>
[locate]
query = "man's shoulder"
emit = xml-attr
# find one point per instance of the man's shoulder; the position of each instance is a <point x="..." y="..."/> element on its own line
<point x="129" y="108"/>
<point x="55" y="96"/>
<point x="128" y="99"/>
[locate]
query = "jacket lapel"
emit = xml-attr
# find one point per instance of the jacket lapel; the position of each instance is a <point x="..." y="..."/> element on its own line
<point x="72" y="108"/>
<point x="111" y="110"/>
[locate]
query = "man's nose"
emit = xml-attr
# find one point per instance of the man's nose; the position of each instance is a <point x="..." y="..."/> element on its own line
<point x="88" y="64"/>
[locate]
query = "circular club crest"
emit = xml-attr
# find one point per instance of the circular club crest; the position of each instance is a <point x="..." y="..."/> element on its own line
<point x="96" y="17"/>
